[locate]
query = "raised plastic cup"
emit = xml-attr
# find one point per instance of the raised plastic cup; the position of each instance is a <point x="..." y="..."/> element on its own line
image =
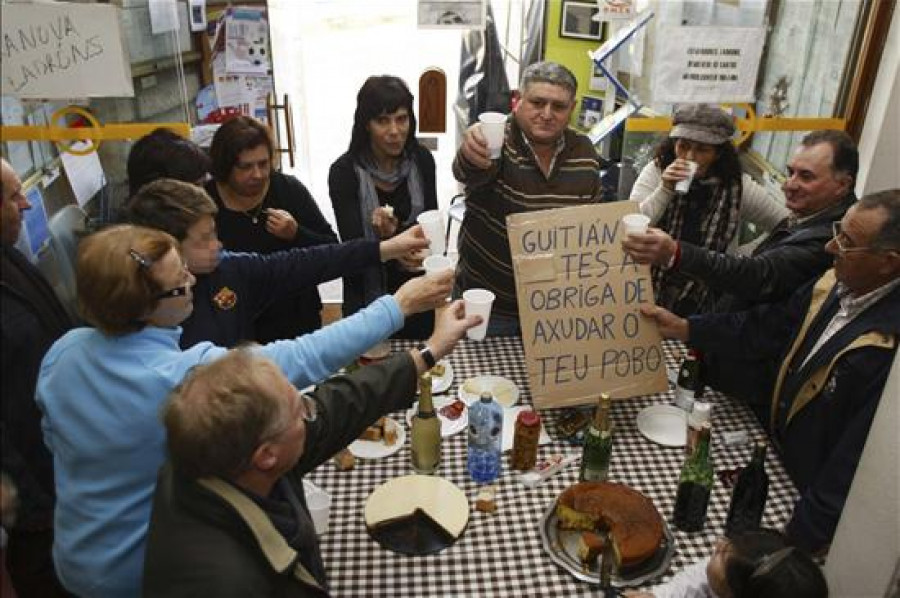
<point x="683" y="185"/>
<point x="319" y="504"/>
<point x="635" y="224"/>
<point x="432" y="222"/>
<point x="478" y="302"/>
<point x="493" y="127"/>
<point x="434" y="264"/>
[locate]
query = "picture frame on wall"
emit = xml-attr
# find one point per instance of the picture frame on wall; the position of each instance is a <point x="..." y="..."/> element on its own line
<point x="577" y="21"/>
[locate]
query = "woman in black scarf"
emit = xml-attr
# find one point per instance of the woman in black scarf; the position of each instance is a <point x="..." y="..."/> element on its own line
<point x="379" y="187"/>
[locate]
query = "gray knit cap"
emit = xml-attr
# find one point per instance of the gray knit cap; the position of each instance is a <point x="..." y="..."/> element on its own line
<point x="703" y="123"/>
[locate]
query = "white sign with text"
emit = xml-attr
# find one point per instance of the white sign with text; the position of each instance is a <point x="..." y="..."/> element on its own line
<point x="707" y="64"/>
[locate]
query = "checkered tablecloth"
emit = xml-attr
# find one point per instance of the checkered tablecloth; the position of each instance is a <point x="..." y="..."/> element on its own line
<point x="502" y="554"/>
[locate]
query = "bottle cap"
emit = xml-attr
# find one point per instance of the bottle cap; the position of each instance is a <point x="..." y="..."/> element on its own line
<point x="528" y="418"/>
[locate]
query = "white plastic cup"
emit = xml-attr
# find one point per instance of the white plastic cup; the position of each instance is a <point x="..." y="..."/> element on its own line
<point x="683" y="185"/>
<point x="478" y="302"/>
<point x="432" y="223"/>
<point x="635" y="224"/>
<point x="435" y="264"/>
<point x="493" y="127"/>
<point x="319" y="504"/>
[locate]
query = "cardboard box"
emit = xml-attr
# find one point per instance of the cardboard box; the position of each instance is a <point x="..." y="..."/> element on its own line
<point x="579" y="296"/>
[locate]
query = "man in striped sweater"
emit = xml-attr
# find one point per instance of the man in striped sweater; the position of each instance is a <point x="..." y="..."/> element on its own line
<point x="543" y="165"/>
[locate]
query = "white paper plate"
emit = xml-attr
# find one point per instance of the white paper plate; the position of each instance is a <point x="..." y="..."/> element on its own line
<point x="376" y="449"/>
<point x="504" y="390"/>
<point x="441" y="384"/>
<point x="663" y="424"/>
<point x="449" y="427"/>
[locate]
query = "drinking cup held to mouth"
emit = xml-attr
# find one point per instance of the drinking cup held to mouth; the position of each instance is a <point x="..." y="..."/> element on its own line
<point x="478" y="302"/>
<point x="319" y="504"/>
<point x="635" y="224"/>
<point x="493" y="127"/>
<point x="683" y="185"/>
<point x="432" y="222"/>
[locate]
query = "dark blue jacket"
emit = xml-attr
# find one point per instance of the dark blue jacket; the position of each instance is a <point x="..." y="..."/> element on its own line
<point x="821" y="411"/>
<point x="228" y="301"/>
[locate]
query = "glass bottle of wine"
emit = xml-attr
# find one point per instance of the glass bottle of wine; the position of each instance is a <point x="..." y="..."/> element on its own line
<point x="695" y="486"/>
<point x="425" y="433"/>
<point x="750" y="493"/>
<point x="598" y="444"/>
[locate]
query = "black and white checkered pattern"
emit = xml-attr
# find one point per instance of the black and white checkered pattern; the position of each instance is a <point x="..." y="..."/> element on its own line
<point x="502" y="554"/>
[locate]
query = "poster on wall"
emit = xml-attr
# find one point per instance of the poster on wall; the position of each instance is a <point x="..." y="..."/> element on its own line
<point x="610" y="10"/>
<point x="451" y="14"/>
<point x="579" y="297"/>
<point x="64" y="50"/>
<point x="707" y="64"/>
<point x="247" y="41"/>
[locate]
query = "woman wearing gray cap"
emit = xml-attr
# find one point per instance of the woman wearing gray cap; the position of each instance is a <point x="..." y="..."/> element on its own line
<point x="694" y="190"/>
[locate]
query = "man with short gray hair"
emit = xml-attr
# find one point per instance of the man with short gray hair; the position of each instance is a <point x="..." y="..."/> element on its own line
<point x="543" y="165"/>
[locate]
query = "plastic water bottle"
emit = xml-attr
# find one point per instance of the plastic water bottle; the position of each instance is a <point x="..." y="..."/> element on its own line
<point x="485" y="435"/>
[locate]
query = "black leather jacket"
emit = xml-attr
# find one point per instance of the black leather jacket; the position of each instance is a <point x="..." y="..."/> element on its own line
<point x="782" y="263"/>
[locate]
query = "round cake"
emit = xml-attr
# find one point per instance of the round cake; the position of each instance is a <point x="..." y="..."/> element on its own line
<point x="630" y="516"/>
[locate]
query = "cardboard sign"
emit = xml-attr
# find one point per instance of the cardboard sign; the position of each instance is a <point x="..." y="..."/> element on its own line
<point x="579" y="295"/>
<point x="707" y="64"/>
<point x="64" y="50"/>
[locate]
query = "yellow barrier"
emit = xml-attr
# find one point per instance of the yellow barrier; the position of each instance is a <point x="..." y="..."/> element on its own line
<point x="96" y="133"/>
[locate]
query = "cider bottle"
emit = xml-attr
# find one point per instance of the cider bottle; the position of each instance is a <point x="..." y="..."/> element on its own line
<point x="425" y="433"/>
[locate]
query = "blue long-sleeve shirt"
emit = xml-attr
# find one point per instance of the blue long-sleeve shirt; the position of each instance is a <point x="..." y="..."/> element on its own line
<point x="101" y="398"/>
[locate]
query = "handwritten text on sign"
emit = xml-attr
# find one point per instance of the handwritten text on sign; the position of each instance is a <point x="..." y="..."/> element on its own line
<point x="579" y="296"/>
<point x="707" y="64"/>
<point x="63" y="50"/>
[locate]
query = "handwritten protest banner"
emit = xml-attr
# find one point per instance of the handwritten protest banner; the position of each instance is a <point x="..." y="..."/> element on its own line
<point x="63" y="50"/>
<point x="579" y="296"/>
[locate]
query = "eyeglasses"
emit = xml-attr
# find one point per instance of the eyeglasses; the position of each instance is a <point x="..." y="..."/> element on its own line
<point x="176" y="292"/>
<point x="840" y="239"/>
<point x="308" y="413"/>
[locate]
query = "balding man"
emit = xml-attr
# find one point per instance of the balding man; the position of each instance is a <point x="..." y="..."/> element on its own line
<point x="32" y="319"/>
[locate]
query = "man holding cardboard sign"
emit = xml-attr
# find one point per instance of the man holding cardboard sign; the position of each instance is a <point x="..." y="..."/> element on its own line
<point x="542" y="165"/>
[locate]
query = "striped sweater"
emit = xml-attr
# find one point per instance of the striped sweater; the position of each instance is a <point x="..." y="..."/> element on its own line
<point x="514" y="184"/>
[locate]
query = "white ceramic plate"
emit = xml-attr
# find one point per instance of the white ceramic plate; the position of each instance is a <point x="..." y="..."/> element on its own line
<point x="441" y="384"/>
<point x="504" y="390"/>
<point x="449" y="427"/>
<point x="377" y="449"/>
<point x="663" y="424"/>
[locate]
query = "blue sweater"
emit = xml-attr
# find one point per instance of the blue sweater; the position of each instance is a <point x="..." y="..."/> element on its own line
<point x="101" y="398"/>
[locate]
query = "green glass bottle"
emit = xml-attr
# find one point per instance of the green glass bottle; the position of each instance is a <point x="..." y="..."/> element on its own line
<point x="695" y="486"/>
<point x="598" y="444"/>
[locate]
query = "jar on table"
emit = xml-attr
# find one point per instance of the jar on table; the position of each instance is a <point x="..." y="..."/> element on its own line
<point x="525" y="440"/>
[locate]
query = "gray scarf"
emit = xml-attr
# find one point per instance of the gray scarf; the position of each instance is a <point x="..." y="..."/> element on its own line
<point x="367" y="172"/>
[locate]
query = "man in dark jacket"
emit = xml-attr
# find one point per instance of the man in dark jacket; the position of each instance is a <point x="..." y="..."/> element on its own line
<point x="818" y="191"/>
<point x="32" y="319"/>
<point x="833" y="342"/>
<point x="233" y="289"/>
<point x="229" y="513"/>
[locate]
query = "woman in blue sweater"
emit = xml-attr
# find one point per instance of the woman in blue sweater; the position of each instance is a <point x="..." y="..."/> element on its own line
<point x="100" y="390"/>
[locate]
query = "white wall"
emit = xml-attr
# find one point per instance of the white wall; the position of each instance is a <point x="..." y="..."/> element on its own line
<point x="879" y="144"/>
